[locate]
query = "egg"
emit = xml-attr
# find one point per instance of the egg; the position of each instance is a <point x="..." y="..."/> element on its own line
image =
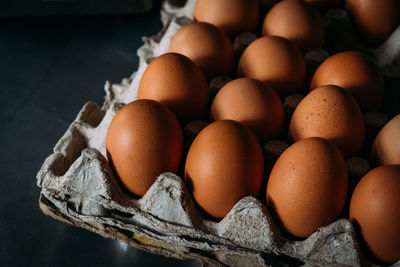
<point x="174" y="80"/>
<point x="355" y="72"/>
<point x="307" y="186"/>
<point x="223" y="165"/>
<point x="232" y="16"/>
<point x="144" y="139"/>
<point x="207" y="45"/>
<point x="375" y="20"/>
<point x="251" y="103"/>
<point x="386" y="147"/>
<point x="275" y="61"/>
<point x="297" y="21"/>
<point x="332" y="113"/>
<point x="375" y="212"/>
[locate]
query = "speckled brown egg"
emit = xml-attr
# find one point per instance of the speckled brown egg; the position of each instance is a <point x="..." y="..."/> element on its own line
<point x="375" y="212"/>
<point x="355" y="72"/>
<point x="386" y="147"/>
<point x="276" y="61"/>
<point x="375" y="20"/>
<point x="144" y="139"/>
<point x="232" y="16"/>
<point x="297" y="21"/>
<point x="332" y="113"/>
<point x="174" y="80"/>
<point x="307" y="186"/>
<point x="251" y="103"/>
<point x="207" y="45"/>
<point x="223" y="165"/>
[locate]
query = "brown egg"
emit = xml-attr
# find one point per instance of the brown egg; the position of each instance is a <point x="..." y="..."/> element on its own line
<point x="143" y="140"/>
<point x="307" y="186"/>
<point x="375" y="20"/>
<point x="386" y="147"/>
<point x="251" y="103"/>
<point x="276" y="61"/>
<point x="207" y="45"/>
<point x="174" y="80"/>
<point x="355" y="72"/>
<point x="331" y="113"/>
<point x="297" y="21"/>
<point x="375" y="212"/>
<point x="232" y="16"/>
<point x="223" y="165"/>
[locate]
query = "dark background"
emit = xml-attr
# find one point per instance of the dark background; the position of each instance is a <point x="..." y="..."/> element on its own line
<point x="49" y="68"/>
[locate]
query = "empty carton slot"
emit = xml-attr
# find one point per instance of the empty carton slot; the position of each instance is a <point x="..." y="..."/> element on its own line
<point x="71" y="145"/>
<point x="57" y="166"/>
<point x="91" y="114"/>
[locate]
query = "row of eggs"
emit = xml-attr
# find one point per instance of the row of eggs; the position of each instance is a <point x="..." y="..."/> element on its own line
<point x="308" y="185"/>
<point x="298" y="20"/>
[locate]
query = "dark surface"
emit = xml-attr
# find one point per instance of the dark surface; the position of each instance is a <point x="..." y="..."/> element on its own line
<point x="49" y="68"/>
<point x="13" y="8"/>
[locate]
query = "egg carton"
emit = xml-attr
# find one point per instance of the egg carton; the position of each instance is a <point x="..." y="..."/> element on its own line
<point x="79" y="187"/>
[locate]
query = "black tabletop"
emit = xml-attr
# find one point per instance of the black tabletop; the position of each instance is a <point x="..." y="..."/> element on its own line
<point x="49" y="68"/>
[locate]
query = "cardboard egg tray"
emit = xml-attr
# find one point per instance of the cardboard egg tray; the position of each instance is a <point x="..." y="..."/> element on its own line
<point x="79" y="187"/>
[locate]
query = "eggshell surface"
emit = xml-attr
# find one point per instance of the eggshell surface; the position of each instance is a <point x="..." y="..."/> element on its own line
<point x="375" y="212"/>
<point x="297" y="21"/>
<point x="375" y="20"/>
<point x="223" y="165"/>
<point x="307" y="186"/>
<point x="355" y="72"/>
<point x="144" y="139"/>
<point x="174" y="80"/>
<point x="331" y="113"/>
<point x="232" y="16"/>
<point x="386" y="147"/>
<point x="251" y="103"/>
<point x="276" y="61"/>
<point x="208" y="47"/>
